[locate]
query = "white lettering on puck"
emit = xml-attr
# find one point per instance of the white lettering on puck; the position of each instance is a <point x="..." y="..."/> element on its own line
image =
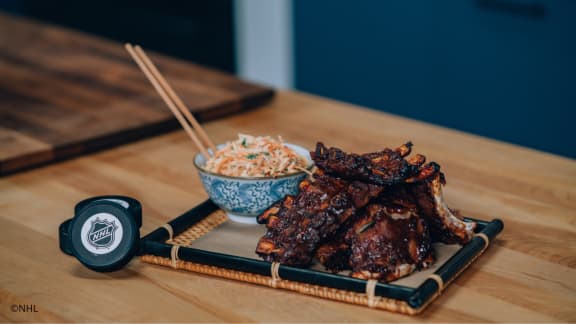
<point x="101" y="233"/>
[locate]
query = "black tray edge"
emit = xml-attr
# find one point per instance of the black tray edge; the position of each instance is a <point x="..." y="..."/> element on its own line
<point x="416" y="298"/>
<point x="457" y="263"/>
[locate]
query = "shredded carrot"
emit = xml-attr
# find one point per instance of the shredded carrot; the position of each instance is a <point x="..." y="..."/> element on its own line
<point x="256" y="156"/>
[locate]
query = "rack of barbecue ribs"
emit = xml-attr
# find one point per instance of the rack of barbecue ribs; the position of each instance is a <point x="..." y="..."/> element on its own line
<point x="376" y="214"/>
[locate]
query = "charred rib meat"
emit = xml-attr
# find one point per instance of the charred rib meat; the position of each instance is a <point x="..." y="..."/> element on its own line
<point x="386" y="167"/>
<point x="375" y="214"/>
<point x="394" y="244"/>
<point x="334" y="254"/>
<point x="297" y="225"/>
<point x="446" y="225"/>
<point x="386" y="240"/>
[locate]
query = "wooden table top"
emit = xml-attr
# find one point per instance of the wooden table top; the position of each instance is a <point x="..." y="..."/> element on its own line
<point x="66" y="93"/>
<point x="528" y="273"/>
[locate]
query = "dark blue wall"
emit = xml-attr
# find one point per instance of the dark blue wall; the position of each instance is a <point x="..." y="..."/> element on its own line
<point x="505" y="69"/>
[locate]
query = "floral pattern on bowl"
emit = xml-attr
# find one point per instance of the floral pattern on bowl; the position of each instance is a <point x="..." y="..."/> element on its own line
<point x="245" y="198"/>
<point x="248" y="197"/>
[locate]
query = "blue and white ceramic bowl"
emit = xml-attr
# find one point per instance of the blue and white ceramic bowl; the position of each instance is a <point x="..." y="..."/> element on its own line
<point x="243" y="198"/>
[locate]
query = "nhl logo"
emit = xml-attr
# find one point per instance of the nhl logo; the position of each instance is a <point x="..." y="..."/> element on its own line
<point x="101" y="233"/>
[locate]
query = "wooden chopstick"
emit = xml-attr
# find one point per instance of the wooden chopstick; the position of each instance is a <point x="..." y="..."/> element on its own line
<point x="175" y="98"/>
<point x="167" y="99"/>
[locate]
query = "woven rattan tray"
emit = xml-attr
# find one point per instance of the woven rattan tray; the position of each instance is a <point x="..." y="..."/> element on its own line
<point x="193" y="242"/>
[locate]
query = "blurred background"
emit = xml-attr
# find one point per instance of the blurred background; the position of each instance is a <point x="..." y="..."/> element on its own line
<point x="504" y="69"/>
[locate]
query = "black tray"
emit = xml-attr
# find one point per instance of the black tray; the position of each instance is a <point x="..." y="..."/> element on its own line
<point x="155" y="244"/>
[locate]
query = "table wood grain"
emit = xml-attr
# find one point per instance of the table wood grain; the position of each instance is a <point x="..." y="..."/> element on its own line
<point x="64" y="93"/>
<point x="528" y="273"/>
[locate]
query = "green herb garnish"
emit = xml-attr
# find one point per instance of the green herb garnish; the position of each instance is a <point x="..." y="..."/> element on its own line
<point x="251" y="156"/>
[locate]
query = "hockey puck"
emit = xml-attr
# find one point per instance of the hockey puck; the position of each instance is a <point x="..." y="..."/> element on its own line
<point x="132" y="205"/>
<point x="104" y="234"/>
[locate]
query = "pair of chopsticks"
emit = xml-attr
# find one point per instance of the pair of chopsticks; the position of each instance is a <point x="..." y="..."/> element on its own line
<point x="172" y="100"/>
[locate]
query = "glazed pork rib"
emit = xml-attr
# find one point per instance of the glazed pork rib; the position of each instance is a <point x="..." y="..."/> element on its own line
<point x="334" y="253"/>
<point x="297" y="224"/>
<point x="446" y="225"/>
<point x="375" y="213"/>
<point x="393" y="244"/>
<point x="389" y="167"/>
<point x="391" y="222"/>
<point x="386" y="167"/>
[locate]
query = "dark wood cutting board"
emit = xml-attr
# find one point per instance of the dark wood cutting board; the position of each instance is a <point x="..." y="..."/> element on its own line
<point x="65" y="93"/>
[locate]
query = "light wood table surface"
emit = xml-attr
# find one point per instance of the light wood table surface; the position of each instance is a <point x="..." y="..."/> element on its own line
<point x="527" y="274"/>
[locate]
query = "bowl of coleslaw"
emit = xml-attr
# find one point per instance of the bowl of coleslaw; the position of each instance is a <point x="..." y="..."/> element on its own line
<point x="246" y="176"/>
